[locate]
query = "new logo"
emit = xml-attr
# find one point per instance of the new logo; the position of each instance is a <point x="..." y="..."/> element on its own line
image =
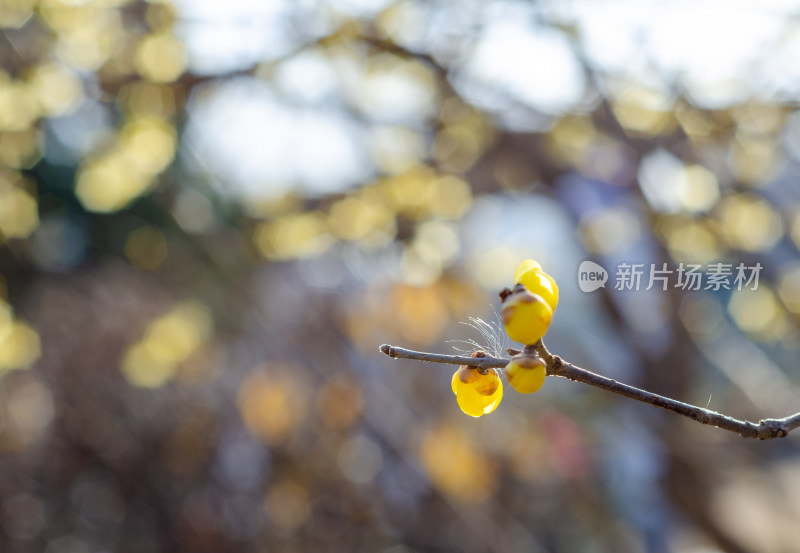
<point x="591" y="276"/>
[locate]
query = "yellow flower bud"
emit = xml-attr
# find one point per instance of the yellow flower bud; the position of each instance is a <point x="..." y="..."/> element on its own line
<point x="526" y="373"/>
<point x="524" y="267"/>
<point x="526" y="315"/>
<point x="477" y="393"/>
<point x="538" y="282"/>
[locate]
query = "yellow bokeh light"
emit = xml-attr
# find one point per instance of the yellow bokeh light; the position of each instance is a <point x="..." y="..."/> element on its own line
<point x="758" y="313"/>
<point x="287" y="505"/>
<point x="20" y="149"/>
<point x="150" y="143"/>
<point x="409" y="192"/>
<point x="419" y="313"/>
<point x="26" y="409"/>
<point x="168" y="341"/>
<point x="66" y="15"/>
<point x="402" y="312"/>
<point x="146" y="248"/>
<point x="455" y="466"/>
<point x="110" y="182"/>
<point x="396" y="149"/>
<point x="437" y="240"/>
<point x="142" y="368"/>
<point x="463" y="138"/>
<point x="19" y="346"/>
<point x="759" y="119"/>
<point x="354" y="218"/>
<point x="694" y="122"/>
<point x="789" y="288"/>
<point x="339" y="402"/>
<point x="6" y="320"/>
<point x="18" y="107"/>
<point x="610" y="230"/>
<point x="750" y="223"/>
<point x="570" y="139"/>
<point x="272" y="404"/>
<point x="643" y="111"/>
<point x="402" y="21"/>
<point x="421" y="192"/>
<point x="689" y="240"/>
<point x="435" y="246"/>
<point x="525" y="455"/>
<point x="697" y="188"/>
<point x="144" y="99"/>
<point x="494" y="266"/>
<point x="265" y="208"/>
<point x="418" y="267"/>
<point x="296" y="235"/>
<point x="455" y="112"/>
<point x="177" y="334"/>
<point x="450" y="197"/>
<point x="160" y="57"/>
<point x="160" y="14"/>
<point x="15" y="13"/>
<point x="754" y="159"/>
<point x="58" y="90"/>
<point x="88" y="46"/>
<point x="19" y="212"/>
<point x="457" y="148"/>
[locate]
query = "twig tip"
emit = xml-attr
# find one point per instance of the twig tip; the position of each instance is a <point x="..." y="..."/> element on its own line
<point x="387" y="349"/>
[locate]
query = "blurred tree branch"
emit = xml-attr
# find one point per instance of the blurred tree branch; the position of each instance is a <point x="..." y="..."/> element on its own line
<point x="763" y="430"/>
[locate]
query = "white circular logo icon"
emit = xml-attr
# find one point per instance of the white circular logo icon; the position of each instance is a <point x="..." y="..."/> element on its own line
<point x="591" y="276"/>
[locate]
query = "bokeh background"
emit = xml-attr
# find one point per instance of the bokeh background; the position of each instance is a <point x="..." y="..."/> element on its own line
<point x="213" y="213"/>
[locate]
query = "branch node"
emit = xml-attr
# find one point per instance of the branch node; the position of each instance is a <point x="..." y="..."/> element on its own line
<point x="771" y="428"/>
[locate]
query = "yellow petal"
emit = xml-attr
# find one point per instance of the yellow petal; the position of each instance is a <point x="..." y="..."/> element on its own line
<point x="538" y="282"/>
<point x="524" y="267"/>
<point x="471" y="402"/>
<point x="495" y="397"/>
<point x="480" y="394"/>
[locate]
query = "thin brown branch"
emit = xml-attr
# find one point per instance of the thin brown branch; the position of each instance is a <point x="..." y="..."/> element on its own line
<point x="487" y="362"/>
<point x="764" y="429"/>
